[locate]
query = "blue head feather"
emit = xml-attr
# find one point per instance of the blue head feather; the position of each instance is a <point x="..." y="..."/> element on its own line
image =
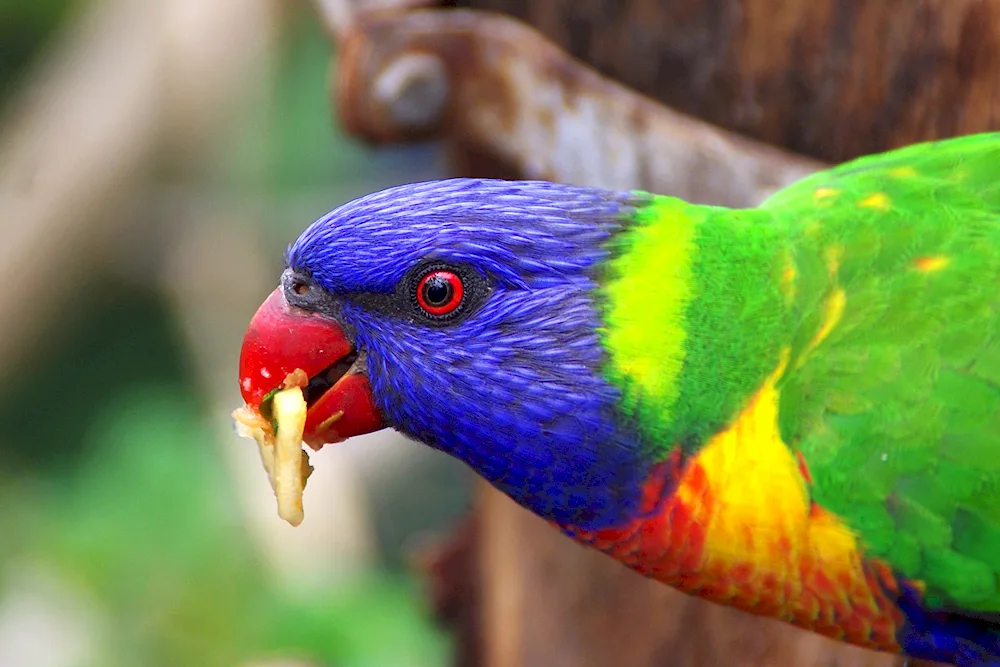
<point x="515" y="388"/>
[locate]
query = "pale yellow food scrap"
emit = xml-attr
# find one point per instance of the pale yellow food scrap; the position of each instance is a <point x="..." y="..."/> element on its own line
<point x="289" y="480"/>
<point x="251" y="425"/>
<point x="282" y="455"/>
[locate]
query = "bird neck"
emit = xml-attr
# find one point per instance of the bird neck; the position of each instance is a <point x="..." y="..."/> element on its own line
<point x="692" y="307"/>
<point x="696" y="303"/>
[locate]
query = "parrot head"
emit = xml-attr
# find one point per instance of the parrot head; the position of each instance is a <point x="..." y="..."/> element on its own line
<point x="465" y="314"/>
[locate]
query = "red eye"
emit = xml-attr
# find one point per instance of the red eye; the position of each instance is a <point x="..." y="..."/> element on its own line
<point x="440" y="292"/>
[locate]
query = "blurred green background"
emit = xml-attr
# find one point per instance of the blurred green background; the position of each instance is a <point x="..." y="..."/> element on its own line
<point x="135" y="528"/>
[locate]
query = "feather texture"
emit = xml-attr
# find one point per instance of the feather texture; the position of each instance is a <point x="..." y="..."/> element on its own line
<point x="862" y="306"/>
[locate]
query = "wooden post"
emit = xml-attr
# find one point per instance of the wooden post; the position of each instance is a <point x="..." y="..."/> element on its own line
<point x="825" y="78"/>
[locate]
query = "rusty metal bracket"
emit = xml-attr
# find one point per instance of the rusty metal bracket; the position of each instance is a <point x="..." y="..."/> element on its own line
<point x="492" y="82"/>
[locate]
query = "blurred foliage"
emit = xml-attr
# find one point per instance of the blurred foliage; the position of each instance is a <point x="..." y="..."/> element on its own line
<point x="149" y="527"/>
<point x="24" y="26"/>
<point x="88" y="361"/>
<point x="306" y="148"/>
<point x="110" y="476"/>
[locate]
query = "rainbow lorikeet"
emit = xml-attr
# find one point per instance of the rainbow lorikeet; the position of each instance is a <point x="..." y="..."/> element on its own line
<point x="792" y="409"/>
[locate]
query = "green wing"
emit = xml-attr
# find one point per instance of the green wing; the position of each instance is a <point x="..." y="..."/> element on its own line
<point x="893" y="388"/>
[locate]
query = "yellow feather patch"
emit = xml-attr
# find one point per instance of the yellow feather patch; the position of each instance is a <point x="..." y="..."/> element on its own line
<point x="788" y="279"/>
<point x="780" y="554"/>
<point x="832" y="257"/>
<point x="879" y="201"/>
<point x="749" y="469"/>
<point x="812" y="228"/>
<point x="903" y="172"/>
<point x="825" y="196"/>
<point x="833" y="310"/>
<point x="650" y="292"/>
<point x="931" y="264"/>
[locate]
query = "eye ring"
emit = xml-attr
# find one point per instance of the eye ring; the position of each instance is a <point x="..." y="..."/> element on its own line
<point x="440" y="293"/>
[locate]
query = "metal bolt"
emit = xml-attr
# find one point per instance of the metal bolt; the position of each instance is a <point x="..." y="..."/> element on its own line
<point x="414" y="88"/>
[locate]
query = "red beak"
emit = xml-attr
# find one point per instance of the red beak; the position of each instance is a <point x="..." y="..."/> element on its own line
<point x="281" y="339"/>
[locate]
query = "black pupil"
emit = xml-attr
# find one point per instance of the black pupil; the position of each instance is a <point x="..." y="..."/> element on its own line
<point x="437" y="291"/>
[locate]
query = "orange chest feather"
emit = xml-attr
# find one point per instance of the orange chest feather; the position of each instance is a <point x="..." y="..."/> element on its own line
<point x="739" y="528"/>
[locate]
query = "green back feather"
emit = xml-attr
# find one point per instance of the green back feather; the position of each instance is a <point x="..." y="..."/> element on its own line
<point x="897" y="410"/>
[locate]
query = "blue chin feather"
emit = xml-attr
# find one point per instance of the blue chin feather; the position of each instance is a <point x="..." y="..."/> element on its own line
<point x="516" y="391"/>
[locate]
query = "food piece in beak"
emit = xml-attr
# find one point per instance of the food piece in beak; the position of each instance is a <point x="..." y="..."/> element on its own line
<point x="289" y="474"/>
<point x="303" y="381"/>
<point x="282" y="339"/>
<point x="286" y="464"/>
